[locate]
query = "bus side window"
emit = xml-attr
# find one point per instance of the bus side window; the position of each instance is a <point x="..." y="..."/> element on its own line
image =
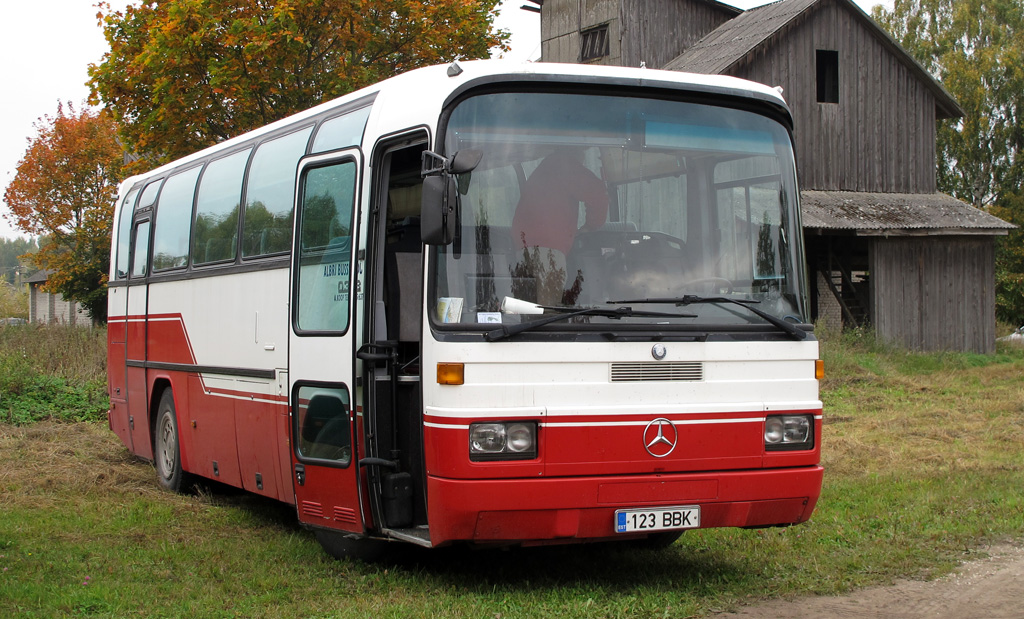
<point x="124" y="227"/>
<point x="140" y="252"/>
<point x="325" y="246"/>
<point x="267" y="228"/>
<point x="341" y="131"/>
<point x="324" y="428"/>
<point x="215" y="233"/>
<point x="173" y="220"/>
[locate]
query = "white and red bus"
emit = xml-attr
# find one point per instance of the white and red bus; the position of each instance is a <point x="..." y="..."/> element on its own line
<point x="489" y="303"/>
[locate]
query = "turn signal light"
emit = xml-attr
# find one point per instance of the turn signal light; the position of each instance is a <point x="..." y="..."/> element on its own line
<point x="451" y="373"/>
<point x="819" y="369"/>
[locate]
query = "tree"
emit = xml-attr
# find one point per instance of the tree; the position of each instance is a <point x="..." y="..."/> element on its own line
<point x="1010" y="261"/>
<point x="975" y="48"/>
<point x="13" y="253"/>
<point x="64" y="188"/>
<point x="184" y="74"/>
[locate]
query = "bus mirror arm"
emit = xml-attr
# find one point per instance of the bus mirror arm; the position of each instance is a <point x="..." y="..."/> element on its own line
<point x="462" y="162"/>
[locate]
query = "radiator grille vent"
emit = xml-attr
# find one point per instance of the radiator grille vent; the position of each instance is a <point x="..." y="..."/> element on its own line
<point x="313" y="510"/>
<point x="345" y="515"/>
<point x="654" y="371"/>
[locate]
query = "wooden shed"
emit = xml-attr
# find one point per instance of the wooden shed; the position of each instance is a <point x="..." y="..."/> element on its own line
<point x="50" y="307"/>
<point x="884" y="247"/>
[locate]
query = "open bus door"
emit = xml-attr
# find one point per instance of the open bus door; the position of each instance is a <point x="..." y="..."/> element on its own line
<point x="391" y="355"/>
<point x="324" y="446"/>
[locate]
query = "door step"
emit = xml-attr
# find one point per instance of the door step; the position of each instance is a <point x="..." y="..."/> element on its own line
<point x="415" y="535"/>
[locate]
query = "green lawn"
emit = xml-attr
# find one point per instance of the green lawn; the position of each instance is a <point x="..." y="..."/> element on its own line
<point x="923" y="457"/>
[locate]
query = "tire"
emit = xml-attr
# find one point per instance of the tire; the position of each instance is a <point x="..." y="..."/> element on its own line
<point x="166" y="448"/>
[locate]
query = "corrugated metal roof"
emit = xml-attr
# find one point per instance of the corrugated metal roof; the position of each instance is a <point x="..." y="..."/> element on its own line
<point x="731" y="42"/>
<point x="872" y="213"/>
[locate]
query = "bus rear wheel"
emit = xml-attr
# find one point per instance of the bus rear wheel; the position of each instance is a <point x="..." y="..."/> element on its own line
<point x="167" y="452"/>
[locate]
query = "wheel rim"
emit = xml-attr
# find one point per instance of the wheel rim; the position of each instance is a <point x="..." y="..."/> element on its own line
<point x="168" y="447"/>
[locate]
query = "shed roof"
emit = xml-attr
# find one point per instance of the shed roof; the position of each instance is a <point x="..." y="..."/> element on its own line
<point x="873" y="214"/>
<point x="737" y="38"/>
<point x="38" y="277"/>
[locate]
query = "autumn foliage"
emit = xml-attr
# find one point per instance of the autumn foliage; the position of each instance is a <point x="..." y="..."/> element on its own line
<point x="64" y="190"/>
<point x="184" y="74"/>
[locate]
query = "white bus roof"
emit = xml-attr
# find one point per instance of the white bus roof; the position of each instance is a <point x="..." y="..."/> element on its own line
<point x="430" y="87"/>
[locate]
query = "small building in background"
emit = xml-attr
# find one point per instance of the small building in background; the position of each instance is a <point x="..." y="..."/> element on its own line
<point x="884" y="247"/>
<point x="49" y="308"/>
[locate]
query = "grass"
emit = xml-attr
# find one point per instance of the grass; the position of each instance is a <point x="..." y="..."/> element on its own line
<point x="923" y="467"/>
<point x="52" y="372"/>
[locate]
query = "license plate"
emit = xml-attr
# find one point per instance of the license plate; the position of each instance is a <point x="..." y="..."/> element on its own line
<point x="657" y="519"/>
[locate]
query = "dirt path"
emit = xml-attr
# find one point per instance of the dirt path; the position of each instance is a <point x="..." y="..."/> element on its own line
<point x="987" y="588"/>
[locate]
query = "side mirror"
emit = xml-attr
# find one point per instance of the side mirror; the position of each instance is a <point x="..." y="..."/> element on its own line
<point x="465" y="161"/>
<point x="438" y="210"/>
<point x="439" y="207"/>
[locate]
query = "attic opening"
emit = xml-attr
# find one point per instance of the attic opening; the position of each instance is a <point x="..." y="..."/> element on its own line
<point x="594" y="43"/>
<point x="828" y="75"/>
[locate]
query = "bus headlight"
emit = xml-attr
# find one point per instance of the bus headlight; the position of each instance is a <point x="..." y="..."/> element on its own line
<point x="788" y="432"/>
<point x="508" y="440"/>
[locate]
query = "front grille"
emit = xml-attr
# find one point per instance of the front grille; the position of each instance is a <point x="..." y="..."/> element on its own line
<point x="648" y="371"/>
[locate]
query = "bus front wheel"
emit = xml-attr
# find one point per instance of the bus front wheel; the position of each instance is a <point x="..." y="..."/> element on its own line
<point x="167" y="455"/>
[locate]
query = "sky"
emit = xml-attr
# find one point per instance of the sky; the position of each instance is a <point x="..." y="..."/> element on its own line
<point x="47" y="46"/>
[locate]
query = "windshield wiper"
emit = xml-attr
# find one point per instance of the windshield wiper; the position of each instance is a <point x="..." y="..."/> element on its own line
<point x="690" y="299"/>
<point x="571" y="312"/>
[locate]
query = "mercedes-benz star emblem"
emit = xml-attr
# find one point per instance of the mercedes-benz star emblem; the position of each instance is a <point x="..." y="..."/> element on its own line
<point x="660" y="437"/>
<point x="659" y="351"/>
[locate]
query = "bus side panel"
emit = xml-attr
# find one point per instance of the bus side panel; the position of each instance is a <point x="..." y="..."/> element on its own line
<point x="117" y="387"/>
<point x="211" y="421"/>
<point x="135" y="372"/>
<point x="260" y="441"/>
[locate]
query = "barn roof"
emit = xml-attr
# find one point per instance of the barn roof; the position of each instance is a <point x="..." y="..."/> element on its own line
<point x="873" y="214"/>
<point x="733" y="41"/>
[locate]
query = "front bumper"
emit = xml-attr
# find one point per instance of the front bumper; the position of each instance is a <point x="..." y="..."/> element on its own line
<point x="538" y="511"/>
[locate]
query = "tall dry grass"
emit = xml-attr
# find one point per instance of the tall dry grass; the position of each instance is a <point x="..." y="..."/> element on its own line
<point x="52" y="371"/>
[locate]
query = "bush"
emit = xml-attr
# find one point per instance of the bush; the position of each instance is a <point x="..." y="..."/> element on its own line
<point x="52" y="372"/>
<point x="13" y="302"/>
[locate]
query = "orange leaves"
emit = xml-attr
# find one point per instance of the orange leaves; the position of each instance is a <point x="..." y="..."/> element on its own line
<point x="184" y="74"/>
<point x="64" y="189"/>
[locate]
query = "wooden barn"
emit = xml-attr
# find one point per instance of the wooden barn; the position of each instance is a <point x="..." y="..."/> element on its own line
<point x="886" y="248"/>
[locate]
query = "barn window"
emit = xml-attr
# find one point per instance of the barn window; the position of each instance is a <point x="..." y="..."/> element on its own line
<point x="594" y="43"/>
<point x="828" y="76"/>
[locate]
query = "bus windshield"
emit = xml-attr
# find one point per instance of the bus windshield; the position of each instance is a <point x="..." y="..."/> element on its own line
<point x="587" y="201"/>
